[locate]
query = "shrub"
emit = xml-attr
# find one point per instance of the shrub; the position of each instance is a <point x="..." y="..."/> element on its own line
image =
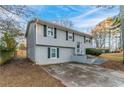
<point x="5" y="55"/>
<point x="96" y="51"/>
<point x="104" y="50"/>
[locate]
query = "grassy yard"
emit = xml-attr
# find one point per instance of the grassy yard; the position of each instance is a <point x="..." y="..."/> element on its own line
<point x="23" y="73"/>
<point x="115" y="61"/>
<point x="113" y="56"/>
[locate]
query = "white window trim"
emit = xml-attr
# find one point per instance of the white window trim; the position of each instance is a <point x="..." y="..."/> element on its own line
<point x="52" y="31"/>
<point x="51" y="53"/>
<point x="70" y="34"/>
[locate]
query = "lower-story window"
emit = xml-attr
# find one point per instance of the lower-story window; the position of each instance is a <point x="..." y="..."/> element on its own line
<point x="53" y="52"/>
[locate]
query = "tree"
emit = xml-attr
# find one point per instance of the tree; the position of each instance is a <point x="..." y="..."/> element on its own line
<point x="109" y="33"/>
<point x="122" y="27"/>
<point x="64" y="22"/>
<point x="105" y="6"/>
<point x="18" y="10"/>
<point x="12" y="16"/>
<point x="11" y="24"/>
<point x="22" y="46"/>
<point x="115" y="28"/>
<point x="10" y="42"/>
<point x="101" y="32"/>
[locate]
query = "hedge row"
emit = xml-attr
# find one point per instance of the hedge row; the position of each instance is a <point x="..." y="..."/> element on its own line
<point x="96" y="51"/>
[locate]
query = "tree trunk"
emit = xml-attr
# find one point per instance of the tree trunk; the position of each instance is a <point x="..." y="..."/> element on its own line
<point x="122" y="27"/>
<point x="109" y="39"/>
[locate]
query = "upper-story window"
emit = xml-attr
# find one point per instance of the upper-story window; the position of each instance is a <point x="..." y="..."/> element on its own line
<point x="70" y="36"/>
<point x="50" y="32"/>
<point x="88" y="40"/>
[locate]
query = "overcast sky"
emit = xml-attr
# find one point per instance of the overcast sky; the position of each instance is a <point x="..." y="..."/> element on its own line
<point x="83" y="17"/>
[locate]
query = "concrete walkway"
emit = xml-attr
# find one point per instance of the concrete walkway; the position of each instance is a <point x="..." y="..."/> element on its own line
<point x="80" y="75"/>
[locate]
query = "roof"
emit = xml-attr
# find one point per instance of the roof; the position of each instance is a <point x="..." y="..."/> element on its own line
<point x="42" y="22"/>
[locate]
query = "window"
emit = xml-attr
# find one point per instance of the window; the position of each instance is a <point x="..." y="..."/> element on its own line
<point x="84" y="39"/>
<point x="50" y="32"/>
<point x="53" y="53"/>
<point x="70" y="36"/>
<point x="87" y="40"/>
<point x="78" y="44"/>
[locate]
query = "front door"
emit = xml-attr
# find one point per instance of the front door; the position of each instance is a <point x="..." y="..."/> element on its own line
<point x="79" y="48"/>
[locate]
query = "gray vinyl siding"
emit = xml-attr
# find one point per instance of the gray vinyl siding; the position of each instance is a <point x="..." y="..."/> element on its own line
<point x="37" y="45"/>
<point x="60" y="40"/>
<point x="42" y="55"/>
<point x="31" y="41"/>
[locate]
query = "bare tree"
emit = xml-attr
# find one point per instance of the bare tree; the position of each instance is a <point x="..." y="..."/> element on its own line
<point x="11" y="24"/>
<point x="19" y="10"/>
<point x="11" y="19"/>
<point x="64" y="22"/>
<point x="100" y="33"/>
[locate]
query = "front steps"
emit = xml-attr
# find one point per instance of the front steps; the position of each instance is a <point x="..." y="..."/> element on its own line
<point x="88" y="59"/>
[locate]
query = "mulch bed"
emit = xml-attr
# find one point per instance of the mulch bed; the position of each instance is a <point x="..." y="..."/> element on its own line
<point x="113" y="65"/>
<point x="23" y="73"/>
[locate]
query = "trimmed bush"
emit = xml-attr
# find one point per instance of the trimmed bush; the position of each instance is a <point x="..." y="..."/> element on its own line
<point x="105" y="50"/>
<point x="96" y="51"/>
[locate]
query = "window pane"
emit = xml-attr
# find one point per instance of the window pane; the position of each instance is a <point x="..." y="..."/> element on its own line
<point x="70" y="35"/>
<point x="78" y="44"/>
<point x="78" y="50"/>
<point x="53" y="52"/>
<point x="50" y="31"/>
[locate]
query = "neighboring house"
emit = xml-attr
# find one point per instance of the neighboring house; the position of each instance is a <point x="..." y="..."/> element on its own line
<point x="49" y="43"/>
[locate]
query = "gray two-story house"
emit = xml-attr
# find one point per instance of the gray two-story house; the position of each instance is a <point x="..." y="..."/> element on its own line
<point x="49" y="43"/>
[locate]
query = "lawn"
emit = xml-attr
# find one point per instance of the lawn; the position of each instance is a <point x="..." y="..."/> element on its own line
<point x="113" y="56"/>
<point x="24" y="73"/>
<point x="115" y="61"/>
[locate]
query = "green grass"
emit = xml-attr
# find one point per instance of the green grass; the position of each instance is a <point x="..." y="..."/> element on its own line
<point x="5" y="56"/>
<point x="112" y="56"/>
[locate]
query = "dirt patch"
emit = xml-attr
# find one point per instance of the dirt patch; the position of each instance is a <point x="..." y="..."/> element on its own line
<point x="113" y="65"/>
<point x="23" y="73"/>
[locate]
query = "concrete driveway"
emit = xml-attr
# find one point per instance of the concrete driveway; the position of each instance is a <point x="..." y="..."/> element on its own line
<point x="80" y="75"/>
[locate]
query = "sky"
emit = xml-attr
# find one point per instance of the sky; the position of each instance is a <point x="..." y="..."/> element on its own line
<point x="83" y="17"/>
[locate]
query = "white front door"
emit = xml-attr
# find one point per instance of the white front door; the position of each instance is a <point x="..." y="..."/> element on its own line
<point x="79" y="50"/>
